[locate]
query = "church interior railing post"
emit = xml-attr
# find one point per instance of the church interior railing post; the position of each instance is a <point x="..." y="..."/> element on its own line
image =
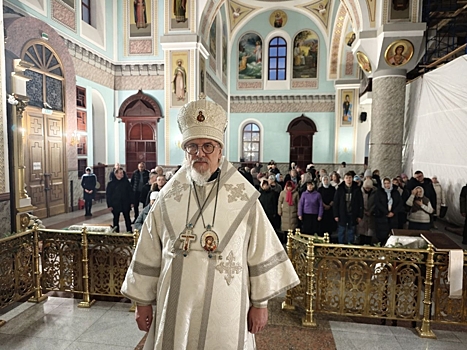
<point x="38" y="296"/>
<point x="308" y="320"/>
<point x="287" y="304"/>
<point x="425" y="330"/>
<point x="86" y="303"/>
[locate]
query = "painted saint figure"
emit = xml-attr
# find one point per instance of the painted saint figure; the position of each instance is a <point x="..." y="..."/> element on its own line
<point x="258" y="51"/>
<point x="398" y="59"/>
<point x="180" y="10"/>
<point x="179" y="81"/>
<point x="140" y="13"/>
<point x="347" y="115"/>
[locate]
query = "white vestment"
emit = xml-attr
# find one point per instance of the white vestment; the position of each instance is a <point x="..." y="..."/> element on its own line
<point x="203" y="302"/>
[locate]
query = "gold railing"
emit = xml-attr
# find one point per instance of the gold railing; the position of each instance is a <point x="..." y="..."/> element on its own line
<point x="41" y="260"/>
<point x="373" y="282"/>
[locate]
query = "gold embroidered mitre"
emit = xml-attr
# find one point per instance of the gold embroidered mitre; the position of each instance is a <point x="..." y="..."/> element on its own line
<point x="202" y="119"/>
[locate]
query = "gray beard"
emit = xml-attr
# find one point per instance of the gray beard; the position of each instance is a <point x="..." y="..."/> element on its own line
<point x="193" y="175"/>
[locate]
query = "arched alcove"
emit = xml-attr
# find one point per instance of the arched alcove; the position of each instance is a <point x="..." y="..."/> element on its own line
<point x="140" y="113"/>
<point x="301" y="131"/>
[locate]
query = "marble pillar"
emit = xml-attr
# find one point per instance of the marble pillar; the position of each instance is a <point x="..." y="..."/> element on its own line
<point x="387" y="123"/>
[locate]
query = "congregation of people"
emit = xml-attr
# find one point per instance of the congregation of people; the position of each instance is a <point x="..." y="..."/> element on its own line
<point x="360" y="208"/>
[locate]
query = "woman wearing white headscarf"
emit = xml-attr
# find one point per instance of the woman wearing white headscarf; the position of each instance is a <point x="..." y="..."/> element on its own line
<point x="388" y="204"/>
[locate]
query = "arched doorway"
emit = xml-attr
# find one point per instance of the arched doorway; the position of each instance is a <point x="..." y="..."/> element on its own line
<point x="44" y="131"/>
<point x="140" y="113"/>
<point x="301" y="132"/>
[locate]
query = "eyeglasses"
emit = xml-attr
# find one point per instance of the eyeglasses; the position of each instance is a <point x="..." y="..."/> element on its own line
<point x="193" y="148"/>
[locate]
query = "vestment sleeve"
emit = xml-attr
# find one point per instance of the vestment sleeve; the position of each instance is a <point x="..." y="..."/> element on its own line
<point x="270" y="270"/>
<point x="143" y="274"/>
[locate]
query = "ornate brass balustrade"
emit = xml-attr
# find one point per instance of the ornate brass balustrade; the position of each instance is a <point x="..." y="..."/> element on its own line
<point x="374" y="282"/>
<point x="41" y="260"/>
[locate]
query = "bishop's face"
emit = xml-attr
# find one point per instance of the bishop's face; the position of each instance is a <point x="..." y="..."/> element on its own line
<point x="201" y="161"/>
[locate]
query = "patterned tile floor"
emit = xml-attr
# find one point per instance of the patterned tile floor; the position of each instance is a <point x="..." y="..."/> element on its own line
<point x="59" y="324"/>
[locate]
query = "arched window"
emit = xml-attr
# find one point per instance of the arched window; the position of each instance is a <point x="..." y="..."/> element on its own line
<point x="45" y="89"/>
<point x="251" y="142"/>
<point x="277" y="59"/>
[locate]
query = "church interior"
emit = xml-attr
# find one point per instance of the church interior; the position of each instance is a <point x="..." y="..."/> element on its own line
<point x="95" y="83"/>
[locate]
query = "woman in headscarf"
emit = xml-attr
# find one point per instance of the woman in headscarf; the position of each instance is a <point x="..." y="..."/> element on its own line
<point x="366" y="227"/>
<point x="388" y="205"/>
<point x="420" y="210"/>
<point x="287" y="208"/>
<point x="327" y="223"/>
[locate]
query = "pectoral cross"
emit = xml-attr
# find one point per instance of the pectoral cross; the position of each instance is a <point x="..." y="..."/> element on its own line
<point x="186" y="238"/>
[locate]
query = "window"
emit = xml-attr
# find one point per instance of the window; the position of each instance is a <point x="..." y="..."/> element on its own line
<point x="80" y="97"/>
<point x="277" y="59"/>
<point x="86" y="11"/>
<point x="251" y="143"/>
<point x="80" y="136"/>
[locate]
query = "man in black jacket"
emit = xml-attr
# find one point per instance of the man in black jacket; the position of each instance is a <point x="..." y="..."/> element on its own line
<point x="347" y="208"/>
<point x="119" y="199"/>
<point x="139" y="178"/>
<point x="463" y="207"/>
<point x="88" y="183"/>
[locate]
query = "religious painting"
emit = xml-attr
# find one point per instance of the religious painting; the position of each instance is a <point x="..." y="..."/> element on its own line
<point x="202" y="75"/>
<point x="224" y="44"/>
<point x="278" y="19"/>
<point x="179" y="14"/>
<point x="399" y="53"/>
<point x="70" y="3"/>
<point x="399" y="10"/>
<point x="179" y="78"/>
<point x="364" y="62"/>
<point x="237" y="12"/>
<point x="140" y="18"/>
<point x="347" y="107"/>
<point x="250" y="56"/>
<point x="321" y="10"/>
<point x="305" y="55"/>
<point x="213" y="39"/>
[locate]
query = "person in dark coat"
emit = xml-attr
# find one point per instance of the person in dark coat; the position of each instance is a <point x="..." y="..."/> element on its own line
<point x="269" y="200"/>
<point x="88" y="183"/>
<point x="139" y="178"/>
<point x="388" y="205"/>
<point x="327" y="223"/>
<point x="145" y="192"/>
<point x="112" y="173"/>
<point x="119" y="199"/>
<point x="246" y="174"/>
<point x="347" y="208"/>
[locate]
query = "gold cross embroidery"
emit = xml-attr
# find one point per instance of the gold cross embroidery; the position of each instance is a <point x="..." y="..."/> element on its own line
<point x="230" y="268"/>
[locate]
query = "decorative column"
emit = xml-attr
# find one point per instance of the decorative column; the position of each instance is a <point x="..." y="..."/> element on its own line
<point x="387" y="122"/>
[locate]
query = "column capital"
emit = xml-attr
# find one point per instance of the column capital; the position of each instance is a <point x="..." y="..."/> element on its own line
<point x="392" y="47"/>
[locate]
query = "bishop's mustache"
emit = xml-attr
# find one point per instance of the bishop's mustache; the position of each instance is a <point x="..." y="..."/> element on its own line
<point x="202" y="159"/>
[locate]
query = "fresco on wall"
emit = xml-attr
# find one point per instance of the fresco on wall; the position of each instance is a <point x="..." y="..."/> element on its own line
<point x="399" y="53"/>
<point x="70" y="3"/>
<point x="278" y="19"/>
<point x="237" y="12"/>
<point x="179" y="84"/>
<point x="224" y="45"/>
<point x="179" y="14"/>
<point x="400" y="10"/>
<point x="347" y="109"/>
<point x="140" y="18"/>
<point x="202" y="75"/>
<point x="213" y="39"/>
<point x="250" y="54"/>
<point x="305" y="55"/>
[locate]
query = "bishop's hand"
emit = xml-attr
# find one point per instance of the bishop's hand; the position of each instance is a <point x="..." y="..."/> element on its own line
<point x="257" y="319"/>
<point x="143" y="317"/>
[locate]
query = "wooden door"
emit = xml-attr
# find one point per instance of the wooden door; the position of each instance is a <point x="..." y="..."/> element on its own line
<point x="301" y="132"/>
<point x="140" y="146"/>
<point x="45" y="162"/>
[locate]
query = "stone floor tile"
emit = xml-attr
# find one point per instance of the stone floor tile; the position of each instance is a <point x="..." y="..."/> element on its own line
<point x="94" y="346"/>
<point x="18" y="342"/>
